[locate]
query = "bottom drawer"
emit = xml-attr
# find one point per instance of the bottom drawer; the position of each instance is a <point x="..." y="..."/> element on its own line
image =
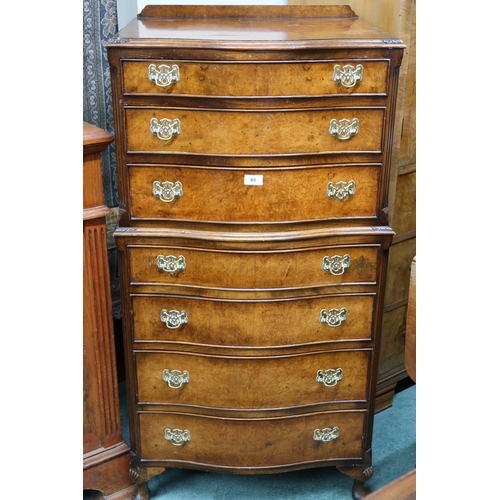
<point x="251" y="443"/>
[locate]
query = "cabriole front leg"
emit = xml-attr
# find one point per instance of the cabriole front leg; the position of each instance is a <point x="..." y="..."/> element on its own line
<point x="140" y="476"/>
<point x="360" y="474"/>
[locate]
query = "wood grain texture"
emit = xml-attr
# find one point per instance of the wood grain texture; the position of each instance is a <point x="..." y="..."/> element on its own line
<point x="400" y="258"/>
<point x="262" y="79"/>
<point x="227" y="132"/>
<point x="405" y="217"/>
<point x="397" y="17"/>
<point x="255" y="97"/>
<point x="247" y="323"/>
<point x="231" y="26"/>
<point x="249" y="270"/>
<point x="220" y="381"/>
<point x="222" y="194"/>
<point x="252" y="445"/>
<point x="411" y="325"/>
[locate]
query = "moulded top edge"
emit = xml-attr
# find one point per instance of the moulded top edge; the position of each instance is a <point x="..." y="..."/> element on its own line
<point x="255" y="27"/>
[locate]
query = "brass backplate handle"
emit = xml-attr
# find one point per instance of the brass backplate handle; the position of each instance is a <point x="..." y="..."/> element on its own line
<point x="333" y="317"/>
<point x="165" y="129"/>
<point x="336" y="264"/>
<point x="340" y="190"/>
<point x="175" y="378"/>
<point x="173" y="319"/>
<point x="177" y="437"/>
<point x="171" y="264"/>
<point x="164" y="75"/>
<point x="167" y="191"/>
<point x="330" y="377"/>
<point x="343" y="129"/>
<point x="326" y="435"/>
<point x="348" y="76"/>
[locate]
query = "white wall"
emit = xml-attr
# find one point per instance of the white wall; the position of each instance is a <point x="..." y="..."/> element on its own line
<point x="128" y="9"/>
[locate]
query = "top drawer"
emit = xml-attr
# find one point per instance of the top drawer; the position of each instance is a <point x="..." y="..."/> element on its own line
<point x="255" y="79"/>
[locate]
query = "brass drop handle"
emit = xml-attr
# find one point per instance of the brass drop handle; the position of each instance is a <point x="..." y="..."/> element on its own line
<point x="164" y="75"/>
<point x="326" y="435"/>
<point x="175" y="378"/>
<point x="348" y="76"/>
<point x="165" y="129"/>
<point x="177" y="437"/>
<point x="333" y="317"/>
<point x="171" y="264"/>
<point x="330" y="377"/>
<point x="336" y="264"/>
<point x="173" y="319"/>
<point x="343" y="129"/>
<point x="167" y="191"/>
<point x="341" y="190"/>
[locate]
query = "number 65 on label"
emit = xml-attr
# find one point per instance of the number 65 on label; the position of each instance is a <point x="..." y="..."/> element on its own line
<point x="253" y="180"/>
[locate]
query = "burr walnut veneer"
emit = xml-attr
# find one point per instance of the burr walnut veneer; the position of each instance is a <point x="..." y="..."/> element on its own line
<point x="253" y="148"/>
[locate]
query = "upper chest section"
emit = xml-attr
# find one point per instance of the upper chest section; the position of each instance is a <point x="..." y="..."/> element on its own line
<point x="253" y="51"/>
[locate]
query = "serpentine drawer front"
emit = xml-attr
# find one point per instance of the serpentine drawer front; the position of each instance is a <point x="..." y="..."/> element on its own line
<point x="184" y="439"/>
<point x="243" y="132"/>
<point x="233" y="322"/>
<point x="255" y="79"/>
<point x="253" y="150"/>
<point x="249" y="195"/>
<point x="260" y="268"/>
<point x="267" y="382"/>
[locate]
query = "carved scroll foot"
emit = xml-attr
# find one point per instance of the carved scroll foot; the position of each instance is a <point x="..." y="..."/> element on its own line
<point x="360" y="474"/>
<point x="140" y="475"/>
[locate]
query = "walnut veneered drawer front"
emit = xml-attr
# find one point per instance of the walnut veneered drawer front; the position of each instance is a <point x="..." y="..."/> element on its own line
<point x="229" y="382"/>
<point x="251" y="443"/>
<point x="264" y="323"/>
<point x="223" y="194"/>
<point x="252" y="269"/>
<point x="254" y="132"/>
<point x="263" y="78"/>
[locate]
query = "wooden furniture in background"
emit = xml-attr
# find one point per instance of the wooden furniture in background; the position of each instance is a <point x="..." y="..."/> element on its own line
<point x="399" y="18"/>
<point x="402" y="488"/>
<point x="253" y="175"/>
<point x="105" y="454"/>
<point x="411" y="325"/>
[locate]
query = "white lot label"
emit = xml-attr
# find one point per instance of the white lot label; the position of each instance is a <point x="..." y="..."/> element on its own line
<point x="254" y="180"/>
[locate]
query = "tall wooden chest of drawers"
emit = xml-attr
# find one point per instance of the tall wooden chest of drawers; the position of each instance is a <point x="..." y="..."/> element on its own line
<point x="253" y="148"/>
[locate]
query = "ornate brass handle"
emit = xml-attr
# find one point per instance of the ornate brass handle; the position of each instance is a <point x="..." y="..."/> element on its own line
<point x="177" y="437"/>
<point x="348" y="76"/>
<point x="326" y="435"/>
<point x="173" y="319"/>
<point x="163" y="76"/>
<point x="165" y="129"/>
<point x="329" y="377"/>
<point x="175" y="378"/>
<point x="344" y="129"/>
<point x="336" y="264"/>
<point x="341" y="190"/>
<point x="167" y="191"/>
<point x="171" y="264"/>
<point x="333" y="317"/>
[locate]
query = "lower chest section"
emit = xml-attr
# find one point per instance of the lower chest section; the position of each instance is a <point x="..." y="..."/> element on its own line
<point x="248" y="352"/>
